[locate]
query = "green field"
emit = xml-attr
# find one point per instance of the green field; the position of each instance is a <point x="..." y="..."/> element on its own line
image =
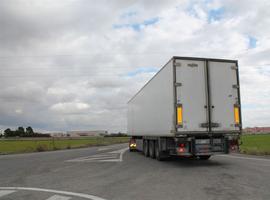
<point x="255" y="144"/>
<point x="251" y="144"/>
<point x="8" y="146"/>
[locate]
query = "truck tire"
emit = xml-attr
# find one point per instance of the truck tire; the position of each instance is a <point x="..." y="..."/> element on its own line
<point x="152" y="148"/>
<point x="160" y="156"/>
<point x="204" y="157"/>
<point x="145" y="148"/>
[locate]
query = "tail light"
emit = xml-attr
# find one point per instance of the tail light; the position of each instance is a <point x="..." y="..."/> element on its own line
<point x="182" y="148"/>
<point x="234" y="145"/>
<point x="182" y="145"/>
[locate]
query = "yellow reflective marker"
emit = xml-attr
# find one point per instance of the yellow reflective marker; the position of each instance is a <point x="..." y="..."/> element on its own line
<point x="236" y="115"/>
<point x="179" y="115"/>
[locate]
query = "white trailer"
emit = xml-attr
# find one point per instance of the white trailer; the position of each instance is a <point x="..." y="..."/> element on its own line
<point x="191" y="107"/>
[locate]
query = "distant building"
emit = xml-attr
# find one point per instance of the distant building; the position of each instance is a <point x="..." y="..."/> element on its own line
<point x="86" y="133"/>
<point x="252" y="130"/>
<point x="57" y="134"/>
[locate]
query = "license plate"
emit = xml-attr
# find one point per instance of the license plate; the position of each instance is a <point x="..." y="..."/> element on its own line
<point x="216" y="141"/>
<point x="202" y="141"/>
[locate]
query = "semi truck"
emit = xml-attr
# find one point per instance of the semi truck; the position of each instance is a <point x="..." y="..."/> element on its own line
<point x="190" y="108"/>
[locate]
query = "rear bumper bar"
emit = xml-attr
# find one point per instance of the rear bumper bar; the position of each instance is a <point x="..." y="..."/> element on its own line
<point x="203" y="146"/>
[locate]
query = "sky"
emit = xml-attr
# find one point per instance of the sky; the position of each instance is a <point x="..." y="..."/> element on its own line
<point x="73" y="65"/>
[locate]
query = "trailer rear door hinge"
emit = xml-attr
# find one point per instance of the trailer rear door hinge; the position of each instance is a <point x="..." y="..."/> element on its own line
<point x="235" y="86"/>
<point x="178" y="84"/>
<point x="215" y="125"/>
<point x="192" y="65"/>
<point x="238" y="125"/>
<point x="176" y="64"/>
<point x="234" y="67"/>
<point x="206" y="125"/>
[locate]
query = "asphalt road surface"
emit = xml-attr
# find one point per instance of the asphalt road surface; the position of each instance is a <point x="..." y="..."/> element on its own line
<point x="112" y="173"/>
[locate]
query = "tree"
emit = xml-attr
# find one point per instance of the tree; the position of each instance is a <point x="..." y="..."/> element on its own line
<point x="29" y="131"/>
<point x="8" y="132"/>
<point x="20" y="131"/>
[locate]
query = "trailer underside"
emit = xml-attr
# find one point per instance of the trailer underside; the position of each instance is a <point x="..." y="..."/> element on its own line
<point x="202" y="146"/>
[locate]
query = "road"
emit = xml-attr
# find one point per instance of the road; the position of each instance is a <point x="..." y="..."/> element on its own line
<point x="112" y="173"/>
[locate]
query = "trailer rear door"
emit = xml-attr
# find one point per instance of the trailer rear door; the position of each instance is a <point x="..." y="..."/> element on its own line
<point x="191" y="98"/>
<point x="224" y="100"/>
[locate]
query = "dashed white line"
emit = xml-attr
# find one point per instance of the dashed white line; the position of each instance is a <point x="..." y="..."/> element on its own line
<point x="6" y="192"/>
<point x="58" y="197"/>
<point x="86" y="196"/>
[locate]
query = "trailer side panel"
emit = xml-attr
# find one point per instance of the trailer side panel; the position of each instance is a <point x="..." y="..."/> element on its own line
<point x="151" y="110"/>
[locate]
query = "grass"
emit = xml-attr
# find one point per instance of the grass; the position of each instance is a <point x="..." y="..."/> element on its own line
<point x="255" y="144"/>
<point x="8" y="146"/>
<point x="258" y="144"/>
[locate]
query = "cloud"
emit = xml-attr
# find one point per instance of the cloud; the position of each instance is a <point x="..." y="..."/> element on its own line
<point x="70" y="107"/>
<point x="76" y="64"/>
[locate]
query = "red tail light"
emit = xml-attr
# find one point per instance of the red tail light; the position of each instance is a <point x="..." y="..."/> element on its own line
<point x="181" y="150"/>
<point x="182" y="145"/>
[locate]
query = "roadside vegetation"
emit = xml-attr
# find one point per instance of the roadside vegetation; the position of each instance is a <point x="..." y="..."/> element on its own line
<point x="257" y="144"/>
<point x="24" y="145"/>
<point x="21" y="132"/>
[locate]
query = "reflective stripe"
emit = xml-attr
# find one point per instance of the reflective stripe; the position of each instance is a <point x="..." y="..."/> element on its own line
<point x="179" y="115"/>
<point x="236" y="115"/>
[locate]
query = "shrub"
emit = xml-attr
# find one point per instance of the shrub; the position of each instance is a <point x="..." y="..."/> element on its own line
<point x="42" y="147"/>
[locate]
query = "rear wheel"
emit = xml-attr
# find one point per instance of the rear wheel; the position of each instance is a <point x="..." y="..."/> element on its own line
<point x="158" y="153"/>
<point x="204" y="157"/>
<point x="145" y="148"/>
<point x="152" y="148"/>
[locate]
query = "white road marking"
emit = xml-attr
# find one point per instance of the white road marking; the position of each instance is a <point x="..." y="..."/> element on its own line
<point x="121" y="151"/>
<point x="113" y="156"/>
<point x="58" y="197"/>
<point x="99" y="156"/>
<point x="96" y="159"/>
<point x="6" y="192"/>
<point x="246" y="158"/>
<point x="104" y="148"/>
<point x="75" y="194"/>
<point x="93" y="158"/>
